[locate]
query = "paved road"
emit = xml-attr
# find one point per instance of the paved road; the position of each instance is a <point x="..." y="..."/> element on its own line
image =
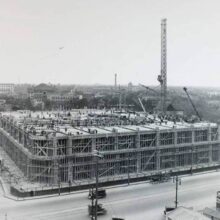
<point x="139" y="202"/>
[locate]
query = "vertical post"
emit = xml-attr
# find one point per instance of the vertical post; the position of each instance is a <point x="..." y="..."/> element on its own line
<point x="128" y="169"/>
<point x="176" y="201"/>
<point x="97" y="155"/>
<point x="96" y="188"/>
<point x="137" y="142"/>
<point x="210" y="141"/>
<point x="158" y="165"/>
<point x="70" y="162"/>
<point x="193" y="141"/>
<point x="59" y="178"/>
<point x="92" y="203"/>
<point x="116" y="169"/>
<point x="191" y="169"/>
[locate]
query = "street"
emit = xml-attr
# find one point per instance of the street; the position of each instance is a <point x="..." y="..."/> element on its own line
<point x="139" y="202"/>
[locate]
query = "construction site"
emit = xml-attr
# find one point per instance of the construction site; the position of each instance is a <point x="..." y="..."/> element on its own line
<point x="57" y="148"/>
<point x="48" y="148"/>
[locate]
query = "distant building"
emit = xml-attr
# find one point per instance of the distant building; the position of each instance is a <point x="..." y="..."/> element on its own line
<point x="41" y="91"/>
<point x="6" y="89"/>
<point x="59" y="98"/>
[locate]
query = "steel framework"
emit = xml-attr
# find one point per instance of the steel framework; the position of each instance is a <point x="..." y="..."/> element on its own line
<point x="162" y="78"/>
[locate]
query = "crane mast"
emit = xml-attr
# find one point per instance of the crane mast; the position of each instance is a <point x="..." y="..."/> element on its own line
<point x="162" y="78"/>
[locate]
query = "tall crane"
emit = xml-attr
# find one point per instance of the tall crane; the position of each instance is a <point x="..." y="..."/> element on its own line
<point x="162" y="78"/>
<point x="194" y="107"/>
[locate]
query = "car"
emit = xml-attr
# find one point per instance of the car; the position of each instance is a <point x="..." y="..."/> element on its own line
<point x="101" y="194"/>
<point x="100" y="210"/>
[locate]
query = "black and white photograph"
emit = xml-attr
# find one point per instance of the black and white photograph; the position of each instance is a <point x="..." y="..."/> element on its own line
<point x="109" y="110"/>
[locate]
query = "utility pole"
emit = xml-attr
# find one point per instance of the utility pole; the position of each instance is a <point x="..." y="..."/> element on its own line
<point x="92" y="202"/>
<point x="96" y="187"/>
<point x="97" y="155"/>
<point x="178" y="182"/>
<point x="59" y="178"/>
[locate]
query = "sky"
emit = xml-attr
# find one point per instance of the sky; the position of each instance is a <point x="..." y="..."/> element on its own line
<point x="88" y="41"/>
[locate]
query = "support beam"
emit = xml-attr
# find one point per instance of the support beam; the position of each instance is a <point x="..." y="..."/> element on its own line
<point x="70" y="164"/>
<point x="157" y="149"/>
<point x="137" y="142"/>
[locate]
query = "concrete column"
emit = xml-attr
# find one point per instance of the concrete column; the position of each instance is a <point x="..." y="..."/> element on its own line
<point x="157" y="149"/>
<point x="218" y="138"/>
<point x="137" y="143"/>
<point x="210" y="141"/>
<point x="116" y="169"/>
<point x="175" y="145"/>
<point x="55" y="162"/>
<point x="23" y="138"/>
<point x="70" y="164"/>
<point x="116" y="142"/>
<point x="92" y="172"/>
<point x="193" y="146"/>
<point x="193" y="135"/>
<point x="93" y="143"/>
<point x="28" y="161"/>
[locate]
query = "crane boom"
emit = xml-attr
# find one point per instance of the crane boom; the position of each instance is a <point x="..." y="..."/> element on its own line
<point x="142" y="106"/>
<point x="194" y="107"/>
<point x="148" y="88"/>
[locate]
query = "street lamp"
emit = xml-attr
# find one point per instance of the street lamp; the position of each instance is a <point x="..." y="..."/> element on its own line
<point x="97" y="155"/>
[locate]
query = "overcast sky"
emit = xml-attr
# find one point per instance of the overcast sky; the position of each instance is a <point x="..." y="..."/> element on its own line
<point x="87" y="41"/>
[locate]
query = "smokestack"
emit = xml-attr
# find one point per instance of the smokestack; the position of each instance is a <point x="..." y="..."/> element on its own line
<point x="115" y="80"/>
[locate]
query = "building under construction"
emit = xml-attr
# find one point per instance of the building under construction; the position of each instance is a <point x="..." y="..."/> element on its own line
<point x="48" y="148"/>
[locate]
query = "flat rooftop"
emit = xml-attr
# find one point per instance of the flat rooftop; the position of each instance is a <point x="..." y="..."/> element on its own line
<point x="48" y="122"/>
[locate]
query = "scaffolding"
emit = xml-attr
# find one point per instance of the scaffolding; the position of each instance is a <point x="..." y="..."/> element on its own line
<point x="63" y="154"/>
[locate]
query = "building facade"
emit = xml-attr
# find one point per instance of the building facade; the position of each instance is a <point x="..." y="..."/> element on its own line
<point x="50" y="149"/>
<point x="6" y="89"/>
